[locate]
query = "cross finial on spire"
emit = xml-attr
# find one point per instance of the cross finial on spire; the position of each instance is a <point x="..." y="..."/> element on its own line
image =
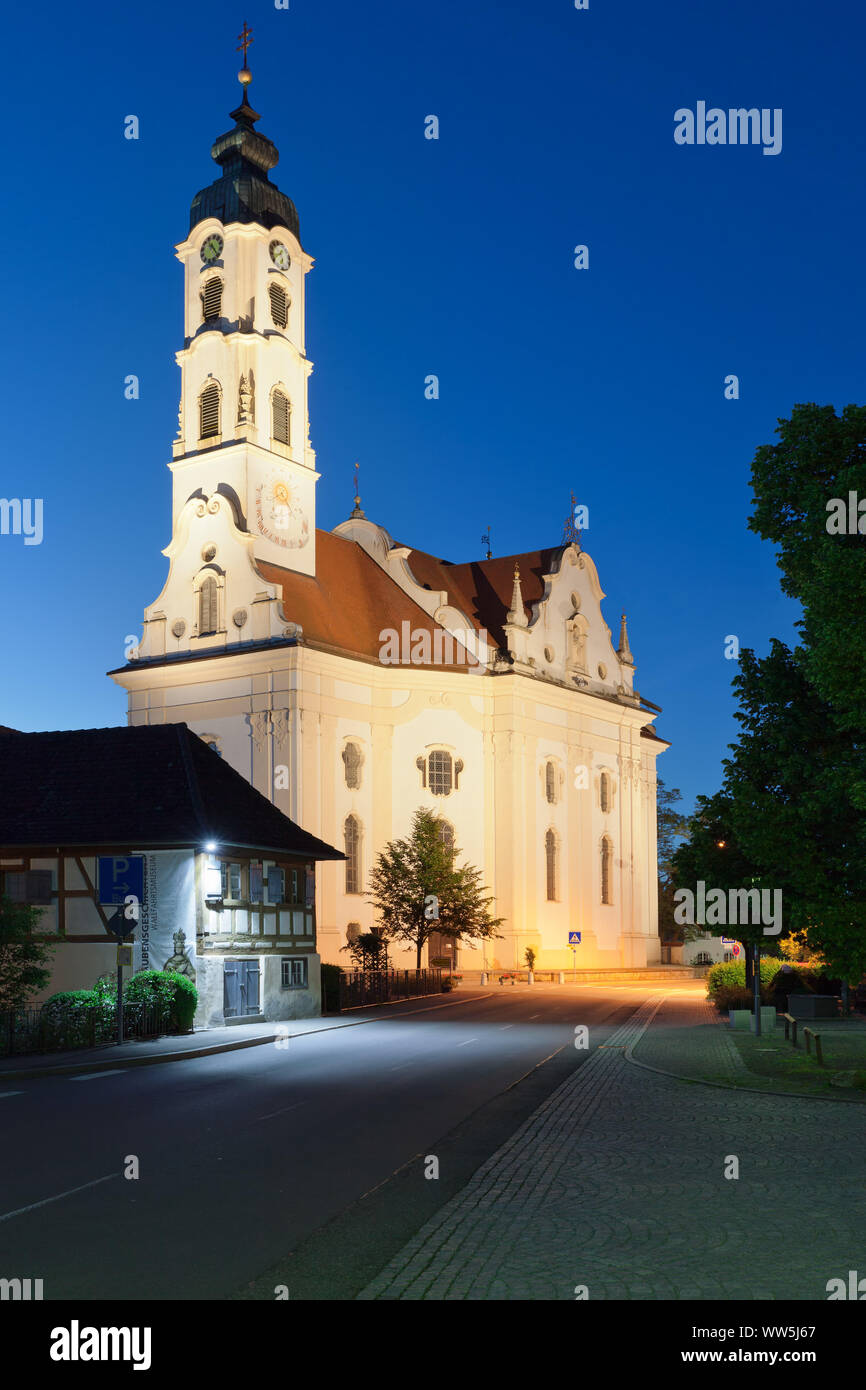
<point x="356" y="487"/>
<point x="571" y="531"/>
<point x="485" y="540"/>
<point x="246" y="38"/>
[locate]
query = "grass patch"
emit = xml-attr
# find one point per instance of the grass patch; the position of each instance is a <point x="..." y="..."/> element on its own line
<point x="780" y="1066"/>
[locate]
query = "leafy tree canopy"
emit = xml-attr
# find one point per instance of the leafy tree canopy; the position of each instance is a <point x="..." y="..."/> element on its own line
<point x="416" y="878"/>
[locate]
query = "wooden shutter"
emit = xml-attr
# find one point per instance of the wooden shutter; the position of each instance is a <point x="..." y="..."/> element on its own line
<point x="279" y="305"/>
<point x="255" y="883"/>
<point x="212" y="298"/>
<point x="281" y="415"/>
<point x="231" y="988"/>
<point x="208" y="607"/>
<point x="209" y="411"/>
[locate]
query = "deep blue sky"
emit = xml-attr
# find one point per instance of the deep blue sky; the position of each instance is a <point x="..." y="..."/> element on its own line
<point x="453" y="257"/>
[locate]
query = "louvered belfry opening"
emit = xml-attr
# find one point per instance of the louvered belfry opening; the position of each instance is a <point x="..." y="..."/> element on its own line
<point x="208" y="607"/>
<point x="209" y="411"/>
<point x="279" y="305"/>
<point x="282" y="416"/>
<point x="212" y="299"/>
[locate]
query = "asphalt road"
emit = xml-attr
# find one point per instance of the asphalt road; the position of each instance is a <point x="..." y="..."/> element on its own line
<point x="303" y="1164"/>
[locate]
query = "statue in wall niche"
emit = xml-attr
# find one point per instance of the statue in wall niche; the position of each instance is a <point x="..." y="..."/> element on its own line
<point x="578" y="645"/>
<point x="180" y="962"/>
<point x="245" y="397"/>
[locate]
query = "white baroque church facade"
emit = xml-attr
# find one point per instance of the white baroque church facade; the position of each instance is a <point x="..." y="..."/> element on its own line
<point x="352" y="680"/>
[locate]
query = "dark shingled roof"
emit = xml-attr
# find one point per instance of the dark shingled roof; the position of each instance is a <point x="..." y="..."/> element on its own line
<point x="149" y="785"/>
<point x="244" y="193"/>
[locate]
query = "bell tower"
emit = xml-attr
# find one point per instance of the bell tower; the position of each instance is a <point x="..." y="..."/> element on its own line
<point x="243" y="425"/>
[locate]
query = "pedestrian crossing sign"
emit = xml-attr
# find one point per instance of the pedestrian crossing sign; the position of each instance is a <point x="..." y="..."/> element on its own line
<point x="574" y="938"/>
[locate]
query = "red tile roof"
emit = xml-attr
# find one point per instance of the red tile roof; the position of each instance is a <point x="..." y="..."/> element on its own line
<point x="349" y="602"/>
<point x="351" y="599"/>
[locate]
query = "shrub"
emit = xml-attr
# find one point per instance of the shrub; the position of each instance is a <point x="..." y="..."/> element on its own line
<point x="175" y="993"/>
<point x="331" y="988"/>
<point x="72" y="999"/>
<point x="732" y="974"/>
<point x="447" y="984"/>
<point x="738" y="997"/>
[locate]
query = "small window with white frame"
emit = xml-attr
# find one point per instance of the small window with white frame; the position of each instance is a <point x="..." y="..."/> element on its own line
<point x="232" y="882"/>
<point x="294" y="972"/>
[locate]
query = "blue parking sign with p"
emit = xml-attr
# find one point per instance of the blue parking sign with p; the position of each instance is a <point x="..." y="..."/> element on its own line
<point x="574" y="938"/>
<point x="118" y="879"/>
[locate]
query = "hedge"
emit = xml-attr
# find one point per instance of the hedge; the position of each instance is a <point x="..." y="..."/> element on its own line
<point x="154" y="987"/>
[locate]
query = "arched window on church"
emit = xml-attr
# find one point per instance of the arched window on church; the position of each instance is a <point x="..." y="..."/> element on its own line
<point x="604" y="792"/>
<point x="281" y="417"/>
<point x="446" y="836"/>
<point x="352" y="846"/>
<point x="439" y="773"/>
<point x="550" y="782"/>
<point x="279" y="304"/>
<point x="606" y="871"/>
<point x="212" y="299"/>
<point x="352" y="766"/>
<point x="209" y="411"/>
<point x="208" y="607"/>
<point x="551" y="855"/>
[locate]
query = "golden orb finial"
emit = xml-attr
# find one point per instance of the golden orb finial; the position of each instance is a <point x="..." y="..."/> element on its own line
<point x="245" y="77"/>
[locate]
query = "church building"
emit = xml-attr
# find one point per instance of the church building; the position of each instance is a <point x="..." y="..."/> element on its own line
<point x="352" y="678"/>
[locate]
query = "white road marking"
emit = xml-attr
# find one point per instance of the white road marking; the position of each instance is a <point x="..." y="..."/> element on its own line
<point x="98" y="1075"/>
<point x="280" y="1112"/>
<point x="503" y="1026"/>
<point x="532" y="1016"/>
<point x="401" y="1066"/>
<point x="467" y="1042"/>
<point x="4" y="1094"/>
<point x="7" y="1216"/>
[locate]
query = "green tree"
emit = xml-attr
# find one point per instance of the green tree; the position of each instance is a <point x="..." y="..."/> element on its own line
<point x="417" y="888"/>
<point x="24" y="958"/>
<point x="712" y="855"/>
<point x="821" y="456"/>
<point x="791" y="781"/>
<point x="672" y="825"/>
<point x="369" y="951"/>
<point x="792" y="805"/>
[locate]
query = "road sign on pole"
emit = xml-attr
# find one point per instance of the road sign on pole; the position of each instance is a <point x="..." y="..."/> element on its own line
<point x="119" y="879"/>
<point x="574" y="938"/>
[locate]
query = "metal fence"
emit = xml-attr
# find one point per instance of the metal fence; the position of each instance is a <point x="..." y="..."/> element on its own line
<point x="54" y="1029"/>
<point x="359" y="987"/>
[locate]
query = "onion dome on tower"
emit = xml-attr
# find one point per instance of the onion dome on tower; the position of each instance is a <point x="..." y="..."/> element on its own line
<point x="243" y="192"/>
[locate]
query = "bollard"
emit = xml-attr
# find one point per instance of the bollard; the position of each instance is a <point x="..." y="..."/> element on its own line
<point x="484" y="977"/>
<point x="530" y="978"/>
<point x="562" y="977"/>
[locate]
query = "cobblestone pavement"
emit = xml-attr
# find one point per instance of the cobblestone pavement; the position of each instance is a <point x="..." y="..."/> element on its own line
<point x="709" y="1053"/>
<point x="616" y="1183"/>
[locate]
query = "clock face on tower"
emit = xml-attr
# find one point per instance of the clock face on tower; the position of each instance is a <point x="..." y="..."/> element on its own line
<point x="279" y="255"/>
<point x="211" y="249"/>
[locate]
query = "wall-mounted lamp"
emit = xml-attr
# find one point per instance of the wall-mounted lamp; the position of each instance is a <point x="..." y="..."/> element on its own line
<point x="213" y="882"/>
